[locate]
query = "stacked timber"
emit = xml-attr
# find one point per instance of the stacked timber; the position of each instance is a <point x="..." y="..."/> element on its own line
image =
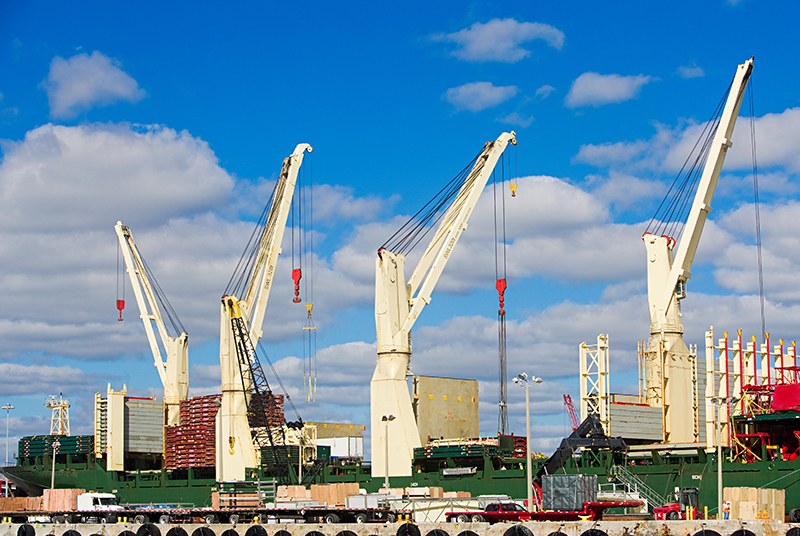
<point x="193" y="442"/>
<point x="60" y="500"/>
<point x="333" y="494"/>
<point x="755" y="503"/>
<point x="421" y="492"/>
<point x="457" y="495"/>
<point x="293" y="494"/>
<point x="20" y="504"/>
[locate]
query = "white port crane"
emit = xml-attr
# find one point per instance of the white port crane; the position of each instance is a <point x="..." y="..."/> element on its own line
<point x="669" y="368"/>
<point x="236" y="451"/>
<point x="174" y="373"/>
<point x="397" y="307"/>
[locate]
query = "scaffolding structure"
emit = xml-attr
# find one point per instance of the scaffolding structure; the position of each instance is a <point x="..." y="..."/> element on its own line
<point x="595" y="380"/>
<point x="59" y="422"/>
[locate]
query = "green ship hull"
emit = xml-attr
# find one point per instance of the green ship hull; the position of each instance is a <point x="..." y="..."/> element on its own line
<point x="659" y="469"/>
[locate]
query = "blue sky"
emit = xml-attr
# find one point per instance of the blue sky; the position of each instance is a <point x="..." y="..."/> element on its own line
<point x="175" y="117"/>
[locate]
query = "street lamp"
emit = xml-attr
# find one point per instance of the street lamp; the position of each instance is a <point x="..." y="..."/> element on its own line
<point x="523" y="380"/>
<point x="56" y="445"/>
<point x="8" y="408"/>
<point x="387" y="419"/>
<point x="719" y="401"/>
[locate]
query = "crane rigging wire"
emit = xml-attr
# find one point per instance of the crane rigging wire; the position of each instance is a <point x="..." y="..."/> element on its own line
<point x="168" y="311"/>
<point x="120" y="278"/>
<point x="417" y="227"/>
<point x="248" y="261"/>
<point x="500" y="269"/>
<point x="757" y="211"/>
<point x="166" y="306"/>
<point x="670" y="216"/>
<point x="306" y="261"/>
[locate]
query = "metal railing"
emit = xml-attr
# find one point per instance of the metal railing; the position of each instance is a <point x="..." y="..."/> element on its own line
<point x="636" y="484"/>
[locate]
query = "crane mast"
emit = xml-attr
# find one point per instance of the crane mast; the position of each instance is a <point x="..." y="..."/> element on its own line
<point x="236" y="451"/>
<point x="397" y="307"/>
<point x="174" y="373"/>
<point x="669" y="363"/>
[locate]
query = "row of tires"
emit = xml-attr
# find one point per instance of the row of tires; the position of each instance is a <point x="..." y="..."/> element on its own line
<point x="209" y="519"/>
<point x="406" y="529"/>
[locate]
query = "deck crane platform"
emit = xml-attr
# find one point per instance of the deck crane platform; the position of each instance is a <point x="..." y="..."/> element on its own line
<point x="668" y="363"/>
<point x="398" y="305"/>
<point x="241" y="321"/>
<point x="174" y="373"/>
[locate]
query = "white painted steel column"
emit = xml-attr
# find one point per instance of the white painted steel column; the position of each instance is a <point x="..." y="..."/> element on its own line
<point x="387" y="419"/>
<point x="522" y="380"/>
<point x="528" y="446"/>
<point x="8" y="407"/>
<point x="718" y="402"/>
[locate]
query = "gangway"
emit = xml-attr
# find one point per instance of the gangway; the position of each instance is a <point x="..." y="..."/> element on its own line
<point x="635" y="483"/>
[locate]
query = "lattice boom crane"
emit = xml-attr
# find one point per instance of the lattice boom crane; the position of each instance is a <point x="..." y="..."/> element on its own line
<point x="236" y="449"/>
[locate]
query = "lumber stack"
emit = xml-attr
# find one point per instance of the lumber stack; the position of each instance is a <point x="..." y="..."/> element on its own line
<point x="20" y="504"/>
<point x="59" y="500"/>
<point x="755" y="503"/>
<point x="333" y="494"/>
<point x="293" y="493"/>
<point x="420" y="492"/>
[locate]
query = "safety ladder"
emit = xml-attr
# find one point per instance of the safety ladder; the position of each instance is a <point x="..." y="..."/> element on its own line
<point x="635" y="483"/>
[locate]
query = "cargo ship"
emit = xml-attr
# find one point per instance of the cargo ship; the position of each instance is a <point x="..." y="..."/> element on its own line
<point x="750" y="392"/>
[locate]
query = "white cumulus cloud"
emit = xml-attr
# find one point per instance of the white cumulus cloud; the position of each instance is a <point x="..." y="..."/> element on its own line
<point x="516" y="119"/>
<point x="85" y="81"/>
<point x="777" y="137"/>
<point x="477" y="96"/>
<point x="593" y="89"/>
<point x="500" y="40"/>
<point x="544" y="91"/>
<point x="691" y="71"/>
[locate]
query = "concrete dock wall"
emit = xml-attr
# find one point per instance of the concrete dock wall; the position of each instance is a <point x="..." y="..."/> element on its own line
<point x="602" y="528"/>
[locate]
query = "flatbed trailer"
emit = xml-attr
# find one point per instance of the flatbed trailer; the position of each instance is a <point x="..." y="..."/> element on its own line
<point x="592" y="511"/>
<point x="311" y="514"/>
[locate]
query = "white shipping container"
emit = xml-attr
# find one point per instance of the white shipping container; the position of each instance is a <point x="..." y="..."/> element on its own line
<point x="344" y="447"/>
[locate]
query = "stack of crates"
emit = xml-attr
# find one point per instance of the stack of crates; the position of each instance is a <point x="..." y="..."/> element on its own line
<point x="193" y="442"/>
<point x="39" y="446"/>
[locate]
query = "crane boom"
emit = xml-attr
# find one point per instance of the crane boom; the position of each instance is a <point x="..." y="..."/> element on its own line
<point x="236" y="450"/>
<point x="254" y="303"/>
<point x="669" y="362"/>
<point x="682" y="264"/>
<point x="397" y="307"/>
<point x="174" y="373"/>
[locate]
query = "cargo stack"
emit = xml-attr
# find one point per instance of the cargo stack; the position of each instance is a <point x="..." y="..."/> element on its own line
<point x="193" y="442"/>
<point x="568" y="492"/>
<point x="60" y="500"/>
<point x="38" y="446"/>
<point x="755" y="503"/>
<point x="273" y="411"/>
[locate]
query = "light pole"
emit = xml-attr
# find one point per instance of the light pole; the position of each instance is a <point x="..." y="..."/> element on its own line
<point x="523" y="380"/>
<point x="8" y="408"/>
<point x="56" y="445"/>
<point x="387" y="419"/>
<point x="719" y="401"/>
